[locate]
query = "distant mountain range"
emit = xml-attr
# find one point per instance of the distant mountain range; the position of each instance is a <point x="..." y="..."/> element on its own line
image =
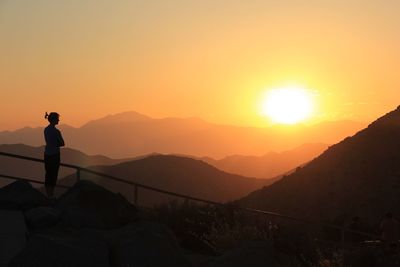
<point x="131" y="134"/>
<point x="359" y="176"/>
<point x="271" y="164"/>
<point x="177" y="174"/>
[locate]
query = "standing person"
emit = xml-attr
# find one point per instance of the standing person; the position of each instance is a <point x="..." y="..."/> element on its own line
<point x="54" y="141"/>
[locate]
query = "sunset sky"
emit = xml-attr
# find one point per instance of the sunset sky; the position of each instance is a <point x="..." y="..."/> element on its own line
<point x="209" y="58"/>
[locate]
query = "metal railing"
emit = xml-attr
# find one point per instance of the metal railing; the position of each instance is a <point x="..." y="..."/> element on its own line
<point x="136" y="186"/>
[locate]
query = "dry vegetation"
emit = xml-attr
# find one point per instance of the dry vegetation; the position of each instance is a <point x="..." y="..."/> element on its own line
<point x="217" y="230"/>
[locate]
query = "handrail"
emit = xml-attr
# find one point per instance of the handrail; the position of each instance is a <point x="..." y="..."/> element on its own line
<point x="79" y="168"/>
<point x="111" y="177"/>
<point x="36" y="159"/>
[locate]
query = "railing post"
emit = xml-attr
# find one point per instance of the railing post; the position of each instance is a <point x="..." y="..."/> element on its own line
<point x="135" y="195"/>
<point x="78" y="174"/>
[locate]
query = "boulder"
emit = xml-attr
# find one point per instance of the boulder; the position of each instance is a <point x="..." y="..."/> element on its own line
<point x="21" y="195"/>
<point x="87" y="205"/>
<point x="12" y="235"/>
<point x="62" y="249"/>
<point x="42" y="217"/>
<point x="145" y="244"/>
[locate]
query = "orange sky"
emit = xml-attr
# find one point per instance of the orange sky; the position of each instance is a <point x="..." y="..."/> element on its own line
<point x="211" y="59"/>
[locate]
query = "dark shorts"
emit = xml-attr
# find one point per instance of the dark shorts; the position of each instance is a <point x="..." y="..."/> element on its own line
<point x="51" y="164"/>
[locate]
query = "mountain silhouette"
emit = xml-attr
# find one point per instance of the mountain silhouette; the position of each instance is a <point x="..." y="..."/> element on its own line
<point x="177" y="174"/>
<point x="117" y="119"/>
<point x="269" y="165"/>
<point x="360" y="176"/>
<point x="132" y="134"/>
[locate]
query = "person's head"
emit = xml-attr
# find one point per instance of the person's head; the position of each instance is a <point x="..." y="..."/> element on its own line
<point x="53" y="117"/>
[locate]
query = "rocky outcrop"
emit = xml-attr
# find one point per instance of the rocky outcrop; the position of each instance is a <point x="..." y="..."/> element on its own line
<point x="12" y="234"/>
<point x="56" y="249"/>
<point x="87" y="205"/>
<point x="145" y="244"/>
<point x="87" y="226"/>
<point x="21" y="196"/>
<point x="42" y="217"/>
<point x="91" y="226"/>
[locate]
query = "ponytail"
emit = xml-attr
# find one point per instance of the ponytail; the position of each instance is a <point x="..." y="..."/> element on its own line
<point x="51" y="116"/>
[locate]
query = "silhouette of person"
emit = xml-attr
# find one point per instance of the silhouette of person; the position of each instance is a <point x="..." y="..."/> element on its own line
<point x="54" y="141"/>
<point x="390" y="231"/>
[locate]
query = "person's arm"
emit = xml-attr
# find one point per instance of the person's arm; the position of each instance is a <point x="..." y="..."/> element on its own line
<point x="60" y="140"/>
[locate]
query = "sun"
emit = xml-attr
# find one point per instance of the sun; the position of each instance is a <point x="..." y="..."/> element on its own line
<point x="288" y="105"/>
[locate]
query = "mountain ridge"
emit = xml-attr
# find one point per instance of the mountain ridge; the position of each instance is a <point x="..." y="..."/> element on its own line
<point x="359" y="176"/>
<point x="270" y="164"/>
<point x="132" y="137"/>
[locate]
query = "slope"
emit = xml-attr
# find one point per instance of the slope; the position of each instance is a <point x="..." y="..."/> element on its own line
<point x="358" y="176"/>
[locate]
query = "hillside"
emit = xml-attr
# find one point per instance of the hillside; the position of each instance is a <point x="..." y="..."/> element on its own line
<point x="177" y="174"/>
<point x="271" y="164"/>
<point x="131" y="134"/>
<point x="358" y="176"/>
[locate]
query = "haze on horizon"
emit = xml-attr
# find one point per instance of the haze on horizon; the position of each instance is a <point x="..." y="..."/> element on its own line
<point x="208" y="59"/>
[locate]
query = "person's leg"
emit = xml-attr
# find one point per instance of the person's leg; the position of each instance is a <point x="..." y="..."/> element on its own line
<point x="52" y="164"/>
<point x="55" y="174"/>
<point x="49" y="191"/>
<point x="47" y="166"/>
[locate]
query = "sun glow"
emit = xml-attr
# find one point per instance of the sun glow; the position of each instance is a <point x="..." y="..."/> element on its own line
<point x="288" y="105"/>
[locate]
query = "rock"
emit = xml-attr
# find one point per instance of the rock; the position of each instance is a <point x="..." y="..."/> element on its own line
<point x="258" y="253"/>
<point x="145" y="244"/>
<point x="12" y="235"/>
<point x="42" y="217"/>
<point x="62" y="250"/>
<point x="21" y="195"/>
<point x="91" y="206"/>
